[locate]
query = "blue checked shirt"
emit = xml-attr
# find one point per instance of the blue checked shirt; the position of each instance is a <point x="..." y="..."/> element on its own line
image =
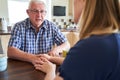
<point x="25" y="38"/>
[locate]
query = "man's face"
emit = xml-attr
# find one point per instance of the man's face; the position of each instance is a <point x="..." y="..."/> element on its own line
<point x="36" y="13"/>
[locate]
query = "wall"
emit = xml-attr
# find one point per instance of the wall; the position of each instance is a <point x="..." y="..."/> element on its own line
<point x="60" y="20"/>
<point x="60" y="3"/>
<point x="70" y="7"/>
<point x="3" y="9"/>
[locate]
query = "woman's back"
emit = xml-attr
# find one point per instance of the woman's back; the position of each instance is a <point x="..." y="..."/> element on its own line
<point x="94" y="58"/>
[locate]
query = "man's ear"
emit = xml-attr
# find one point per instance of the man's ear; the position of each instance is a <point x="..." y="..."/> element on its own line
<point x="27" y="11"/>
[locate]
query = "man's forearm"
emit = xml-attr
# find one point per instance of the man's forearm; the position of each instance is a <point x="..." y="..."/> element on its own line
<point x="18" y="54"/>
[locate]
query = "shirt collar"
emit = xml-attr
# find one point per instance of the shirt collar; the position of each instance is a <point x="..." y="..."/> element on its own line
<point x="29" y="24"/>
<point x="45" y="25"/>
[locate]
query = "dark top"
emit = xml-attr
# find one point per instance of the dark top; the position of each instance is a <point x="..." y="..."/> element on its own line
<point x="94" y="58"/>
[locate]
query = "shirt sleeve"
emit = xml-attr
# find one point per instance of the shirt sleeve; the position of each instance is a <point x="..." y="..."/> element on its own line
<point x="59" y="37"/>
<point x="15" y="39"/>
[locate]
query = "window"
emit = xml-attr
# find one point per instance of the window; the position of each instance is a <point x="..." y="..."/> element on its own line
<point x="17" y="10"/>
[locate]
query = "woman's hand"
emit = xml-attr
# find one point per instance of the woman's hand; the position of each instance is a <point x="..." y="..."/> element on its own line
<point x="45" y="65"/>
<point x="45" y="56"/>
<point x="34" y="58"/>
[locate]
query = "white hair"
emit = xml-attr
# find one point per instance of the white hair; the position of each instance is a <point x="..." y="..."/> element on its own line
<point x="36" y="1"/>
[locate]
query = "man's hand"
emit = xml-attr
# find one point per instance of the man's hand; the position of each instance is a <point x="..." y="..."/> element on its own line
<point x="55" y="52"/>
<point x="35" y="58"/>
<point x="45" y="56"/>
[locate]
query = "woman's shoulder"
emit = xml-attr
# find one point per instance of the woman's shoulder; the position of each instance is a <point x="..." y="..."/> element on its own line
<point x="99" y="40"/>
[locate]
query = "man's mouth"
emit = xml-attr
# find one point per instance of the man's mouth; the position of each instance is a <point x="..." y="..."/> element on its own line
<point x="38" y="19"/>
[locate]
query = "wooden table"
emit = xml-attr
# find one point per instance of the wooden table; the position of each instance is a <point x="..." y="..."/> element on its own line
<point x="19" y="70"/>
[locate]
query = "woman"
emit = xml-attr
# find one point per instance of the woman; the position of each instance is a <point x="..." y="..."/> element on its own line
<point x="96" y="54"/>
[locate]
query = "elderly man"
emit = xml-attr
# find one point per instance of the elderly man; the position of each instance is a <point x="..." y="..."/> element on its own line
<point x="35" y="35"/>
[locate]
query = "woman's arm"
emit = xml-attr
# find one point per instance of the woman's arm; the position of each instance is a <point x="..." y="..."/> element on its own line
<point x="58" y="77"/>
<point x="57" y="60"/>
<point x="47" y="67"/>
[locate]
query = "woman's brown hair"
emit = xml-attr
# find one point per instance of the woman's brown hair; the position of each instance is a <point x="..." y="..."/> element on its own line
<point x="99" y="17"/>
